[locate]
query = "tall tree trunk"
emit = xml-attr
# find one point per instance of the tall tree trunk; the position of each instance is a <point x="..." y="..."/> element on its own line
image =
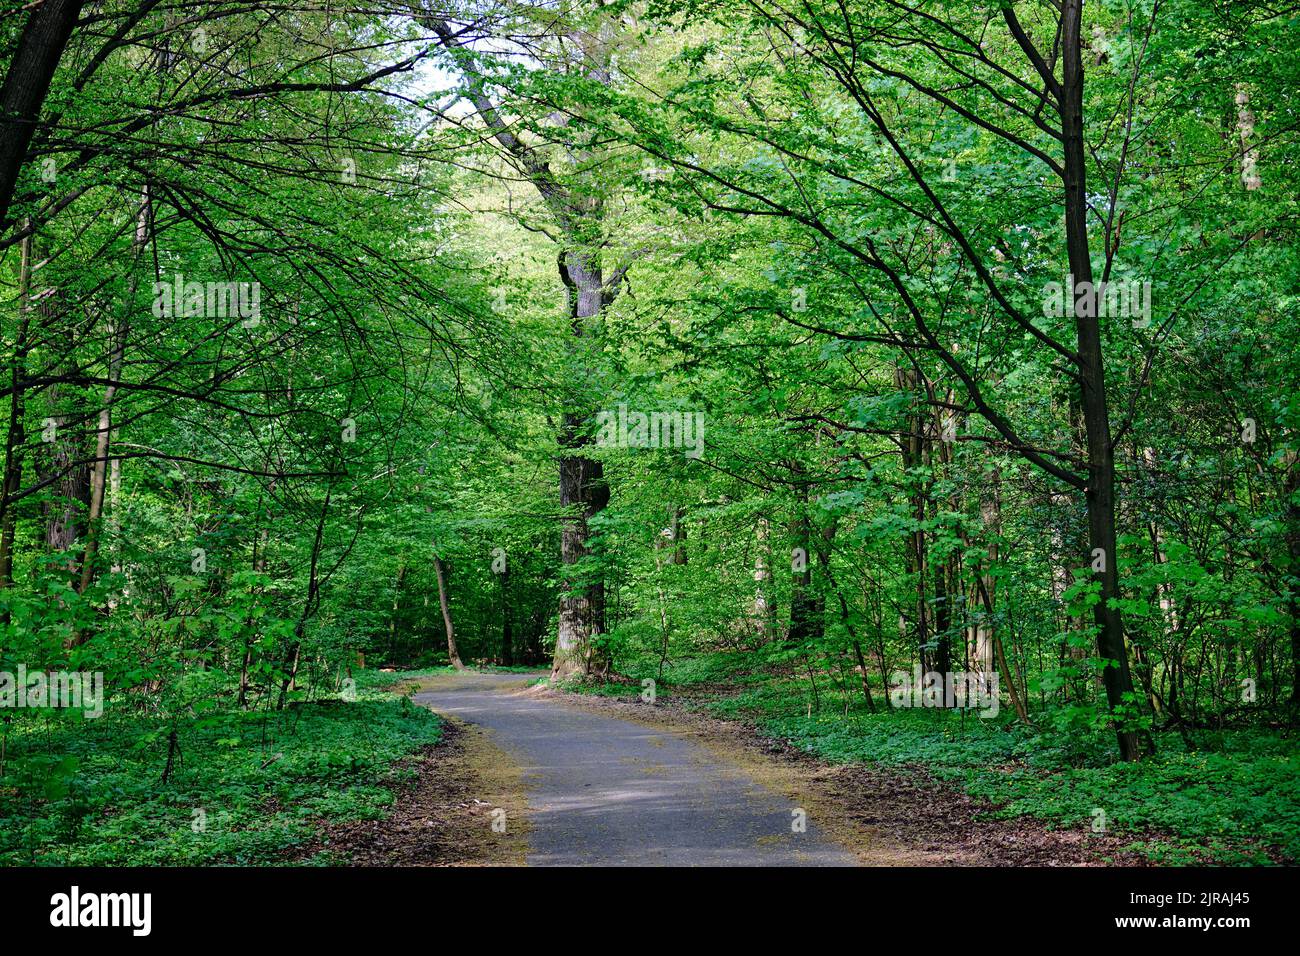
<point x="99" y="472"/>
<point x="912" y="447"/>
<point x="677" y="534"/>
<point x="578" y="215"/>
<point x="665" y="632"/>
<point x="1100" y="494"/>
<point x="981" y="650"/>
<point x="942" y="617"/>
<point x="948" y="573"/>
<point x="1291" y="492"/>
<point x="582" y="488"/>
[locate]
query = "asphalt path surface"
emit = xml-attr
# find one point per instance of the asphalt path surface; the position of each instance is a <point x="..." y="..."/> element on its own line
<point x="603" y="791"/>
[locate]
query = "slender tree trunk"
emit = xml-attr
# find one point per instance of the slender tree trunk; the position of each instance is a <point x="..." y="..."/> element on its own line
<point x="452" y="654"/>
<point x="1100" y="494"/>
<point x="397" y="604"/>
<point x="98" y="479"/>
<point x="947" y="572"/>
<point x="664" y="630"/>
<point x="942" y="618"/>
<point x="1290" y="491"/>
<point x="16" y="436"/>
<point x="507" y="613"/>
<point x="310" y="604"/>
<point x="825" y="552"/>
<point x="912" y="446"/>
<point x="862" y="663"/>
<point x="1000" y="656"/>
<point x="69" y="481"/>
<point x="763" y="610"/>
<point x="991" y="518"/>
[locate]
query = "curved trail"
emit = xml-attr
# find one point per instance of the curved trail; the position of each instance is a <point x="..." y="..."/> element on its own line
<point x="607" y="791"/>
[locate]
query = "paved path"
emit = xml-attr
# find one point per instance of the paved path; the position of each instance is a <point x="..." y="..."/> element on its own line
<point x="605" y="791"/>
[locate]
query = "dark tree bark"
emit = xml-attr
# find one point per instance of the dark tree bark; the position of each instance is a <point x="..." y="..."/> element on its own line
<point x="677" y="529"/>
<point x="118" y="331"/>
<point x="26" y="83"/>
<point x="824" y="554"/>
<point x="912" y="446"/>
<point x="1100" y="491"/>
<point x="805" y="607"/>
<point x="16" y="436"/>
<point x="1290" y="487"/>
<point x="309" y="606"/>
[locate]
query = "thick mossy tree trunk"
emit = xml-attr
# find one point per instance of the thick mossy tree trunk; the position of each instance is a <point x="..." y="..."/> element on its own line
<point x="583" y="491"/>
<point x="578" y="214"/>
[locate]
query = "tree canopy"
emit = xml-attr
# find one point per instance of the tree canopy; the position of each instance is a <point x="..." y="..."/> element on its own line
<point x="827" y="341"/>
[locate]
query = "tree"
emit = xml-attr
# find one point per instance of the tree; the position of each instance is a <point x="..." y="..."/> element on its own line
<point x="576" y="208"/>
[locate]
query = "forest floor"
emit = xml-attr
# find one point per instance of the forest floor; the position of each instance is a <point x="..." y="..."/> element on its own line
<point x="732" y="752"/>
<point x="595" y="780"/>
<point x="442" y="816"/>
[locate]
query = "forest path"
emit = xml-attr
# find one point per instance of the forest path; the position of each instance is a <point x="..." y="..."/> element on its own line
<point x="603" y="790"/>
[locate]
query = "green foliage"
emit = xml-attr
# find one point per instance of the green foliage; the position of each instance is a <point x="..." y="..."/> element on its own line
<point x="245" y="786"/>
<point x="829" y="237"/>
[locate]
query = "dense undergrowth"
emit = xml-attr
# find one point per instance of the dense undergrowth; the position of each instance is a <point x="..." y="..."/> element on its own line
<point x="1225" y="796"/>
<point x="244" y="785"/>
